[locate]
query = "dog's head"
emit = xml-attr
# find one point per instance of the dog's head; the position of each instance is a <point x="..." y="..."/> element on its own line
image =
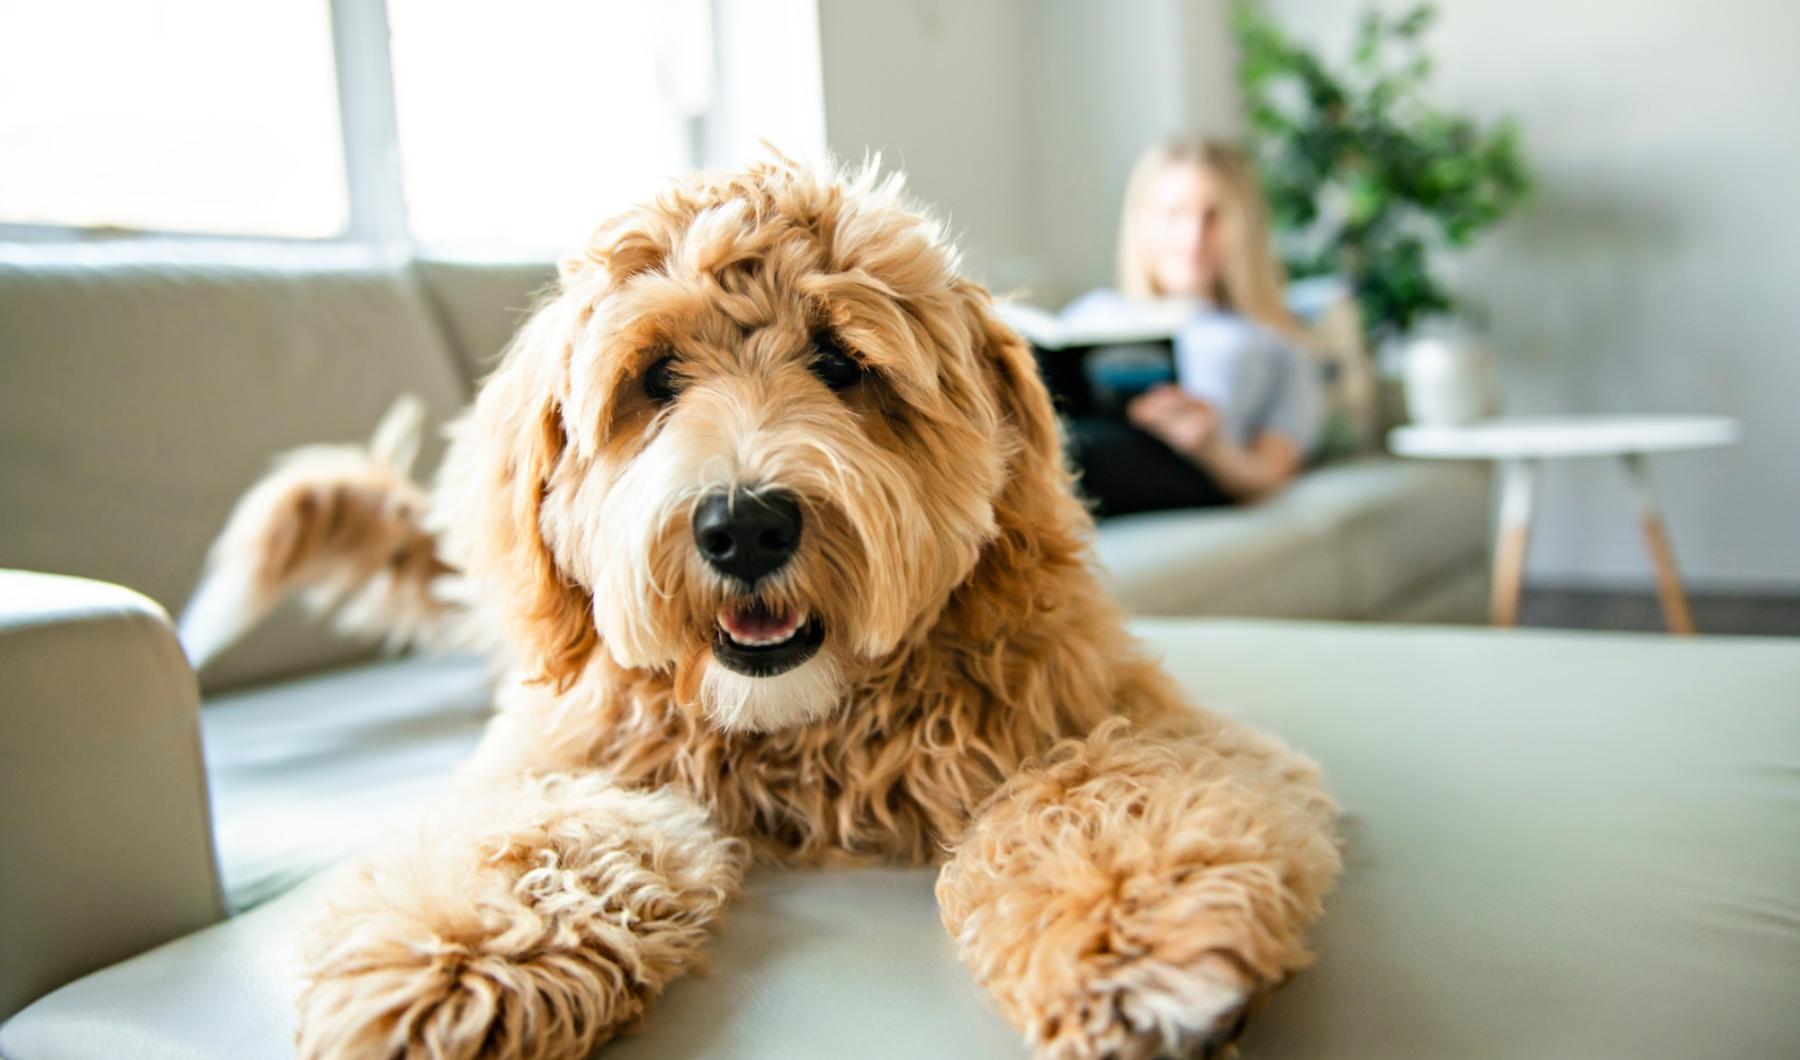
<point x="760" y="435"/>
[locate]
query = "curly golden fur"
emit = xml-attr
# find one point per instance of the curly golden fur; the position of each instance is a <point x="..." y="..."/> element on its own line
<point x="1124" y="872"/>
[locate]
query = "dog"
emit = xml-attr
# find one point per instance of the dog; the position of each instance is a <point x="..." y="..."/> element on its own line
<point x="767" y="516"/>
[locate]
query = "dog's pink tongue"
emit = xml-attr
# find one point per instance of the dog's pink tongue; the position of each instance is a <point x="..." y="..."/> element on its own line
<point x="759" y="623"/>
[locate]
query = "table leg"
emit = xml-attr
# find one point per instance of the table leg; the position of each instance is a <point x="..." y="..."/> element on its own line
<point x="1656" y="536"/>
<point x="1518" y="482"/>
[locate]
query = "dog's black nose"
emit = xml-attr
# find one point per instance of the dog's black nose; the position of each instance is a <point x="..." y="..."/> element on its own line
<point x="745" y="534"/>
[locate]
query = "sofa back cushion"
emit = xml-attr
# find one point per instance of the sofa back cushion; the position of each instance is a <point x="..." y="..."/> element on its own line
<point x="482" y="303"/>
<point x="144" y="387"/>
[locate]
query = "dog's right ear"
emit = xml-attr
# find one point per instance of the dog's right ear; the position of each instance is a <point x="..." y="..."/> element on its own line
<point x="1042" y="522"/>
<point x="517" y="440"/>
<point x="1024" y="400"/>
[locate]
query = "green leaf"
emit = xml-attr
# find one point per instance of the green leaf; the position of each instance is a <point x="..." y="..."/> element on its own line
<point x="1416" y="21"/>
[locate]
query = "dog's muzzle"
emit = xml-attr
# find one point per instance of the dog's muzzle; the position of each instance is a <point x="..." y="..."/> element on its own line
<point x="748" y="536"/>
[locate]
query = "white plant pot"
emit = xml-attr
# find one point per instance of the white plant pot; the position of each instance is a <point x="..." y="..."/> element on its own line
<point x="1447" y="381"/>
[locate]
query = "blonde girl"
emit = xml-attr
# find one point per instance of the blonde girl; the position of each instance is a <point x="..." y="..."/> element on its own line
<point x="1246" y="406"/>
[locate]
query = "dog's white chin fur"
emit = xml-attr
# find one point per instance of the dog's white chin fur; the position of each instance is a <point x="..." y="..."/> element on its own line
<point x="806" y="693"/>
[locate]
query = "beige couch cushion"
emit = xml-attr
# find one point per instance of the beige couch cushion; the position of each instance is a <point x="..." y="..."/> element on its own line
<point x="481" y="303"/>
<point x="1396" y="525"/>
<point x="306" y="772"/>
<point x="1560" y="845"/>
<point x="1347" y="540"/>
<point x="1253" y="561"/>
<point x="143" y="388"/>
<point x="100" y="784"/>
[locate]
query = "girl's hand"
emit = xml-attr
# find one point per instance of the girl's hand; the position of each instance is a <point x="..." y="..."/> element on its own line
<point x="1184" y="423"/>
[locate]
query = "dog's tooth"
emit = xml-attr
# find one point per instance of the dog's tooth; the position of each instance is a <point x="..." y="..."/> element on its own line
<point x="795" y="623"/>
<point x="763" y="642"/>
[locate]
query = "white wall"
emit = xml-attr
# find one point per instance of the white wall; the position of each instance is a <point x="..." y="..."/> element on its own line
<point x="1021" y="118"/>
<point x="1658" y="267"/>
<point x="939" y="87"/>
<point x="1109" y="80"/>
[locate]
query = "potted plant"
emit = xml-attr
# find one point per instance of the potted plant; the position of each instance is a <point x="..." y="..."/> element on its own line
<point x="1370" y="181"/>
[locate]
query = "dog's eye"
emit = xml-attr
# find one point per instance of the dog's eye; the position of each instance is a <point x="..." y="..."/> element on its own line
<point x="835" y="366"/>
<point x="661" y="381"/>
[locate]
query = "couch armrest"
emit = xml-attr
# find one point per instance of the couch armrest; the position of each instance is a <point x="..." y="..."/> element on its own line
<point x="105" y="834"/>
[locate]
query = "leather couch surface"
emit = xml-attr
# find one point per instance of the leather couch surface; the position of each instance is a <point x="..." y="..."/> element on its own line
<point x="306" y="772"/>
<point x="1559" y="845"/>
<point x="100" y="783"/>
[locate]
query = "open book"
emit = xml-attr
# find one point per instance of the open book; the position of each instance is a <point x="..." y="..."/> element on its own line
<point x="1045" y="330"/>
<point x="1104" y="323"/>
<point x="1096" y="364"/>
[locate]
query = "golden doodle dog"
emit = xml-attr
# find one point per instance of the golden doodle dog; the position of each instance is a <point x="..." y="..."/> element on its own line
<point x="768" y="513"/>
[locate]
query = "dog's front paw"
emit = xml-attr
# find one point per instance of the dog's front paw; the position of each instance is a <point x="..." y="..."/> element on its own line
<point x="1132" y="897"/>
<point x="1143" y="1009"/>
<point x="427" y="998"/>
<point x="535" y="924"/>
<point x="1131" y="970"/>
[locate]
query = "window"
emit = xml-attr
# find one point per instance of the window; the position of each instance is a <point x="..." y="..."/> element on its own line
<point x="463" y="122"/>
<point x="199" y="116"/>
<point x="525" y="123"/>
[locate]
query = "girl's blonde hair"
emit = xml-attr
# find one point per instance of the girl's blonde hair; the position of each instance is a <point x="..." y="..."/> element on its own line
<point x="1252" y="282"/>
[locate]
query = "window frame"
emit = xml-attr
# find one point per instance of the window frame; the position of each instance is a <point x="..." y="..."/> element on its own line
<point x="369" y="129"/>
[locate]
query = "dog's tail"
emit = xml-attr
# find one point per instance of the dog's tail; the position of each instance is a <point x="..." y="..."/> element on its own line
<point x="342" y="526"/>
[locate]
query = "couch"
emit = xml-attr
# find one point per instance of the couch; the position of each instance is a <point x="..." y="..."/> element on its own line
<point x="145" y="385"/>
<point x="1559" y="845"/>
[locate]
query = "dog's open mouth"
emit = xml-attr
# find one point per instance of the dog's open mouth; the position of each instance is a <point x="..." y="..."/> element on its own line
<point x="760" y="641"/>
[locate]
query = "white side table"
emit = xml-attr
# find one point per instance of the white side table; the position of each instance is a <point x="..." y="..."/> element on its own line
<point x="1520" y="445"/>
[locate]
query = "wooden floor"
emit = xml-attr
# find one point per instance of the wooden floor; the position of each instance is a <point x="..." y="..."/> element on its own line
<point x="1713" y="613"/>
